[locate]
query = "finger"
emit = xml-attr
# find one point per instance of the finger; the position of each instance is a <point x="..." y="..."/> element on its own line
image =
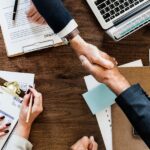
<point x="38" y="103"/>
<point x="40" y="21"/>
<point x="94" y="145"/>
<point x="35" y="17"/>
<point x="3" y="133"/>
<point x="83" y="142"/>
<point x="34" y="92"/>
<point x="105" y="60"/>
<point x="26" y="99"/>
<point x="88" y="66"/>
<point x="115" y="61"/>
<point x="31" y="11"/>
<point x="76" y="145"/>
<point x="2" y="117"/>
<point x="3" y="127"/>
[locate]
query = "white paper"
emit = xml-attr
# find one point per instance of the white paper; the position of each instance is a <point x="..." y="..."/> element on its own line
<point x="22" y="36"/>
<point x="104" y="118"/>
<point x="11" y="106"/>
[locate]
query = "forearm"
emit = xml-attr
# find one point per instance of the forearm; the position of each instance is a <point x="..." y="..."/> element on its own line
<point x="19" y="140"/>
<point x="23" y="131"/>
<point x="57" y="16"/>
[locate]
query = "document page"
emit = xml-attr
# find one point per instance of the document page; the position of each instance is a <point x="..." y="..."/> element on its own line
<point x="22" y="35"/>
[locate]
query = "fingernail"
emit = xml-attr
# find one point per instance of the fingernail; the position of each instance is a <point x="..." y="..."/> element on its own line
<point x="92" y="138"/>
<point x="30" y="86"/>
<point x="6" y="131"/>
<point x="28" y="91"/>
<point x="2" y="117"/>
<point x="81" y="58"/>
<point x="8" y="124"/>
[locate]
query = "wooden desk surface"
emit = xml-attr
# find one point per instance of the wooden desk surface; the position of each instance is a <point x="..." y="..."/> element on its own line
<point x="59" y="76"/>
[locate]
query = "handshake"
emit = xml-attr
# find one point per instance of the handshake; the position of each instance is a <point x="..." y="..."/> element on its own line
<point x="104" y="68"/>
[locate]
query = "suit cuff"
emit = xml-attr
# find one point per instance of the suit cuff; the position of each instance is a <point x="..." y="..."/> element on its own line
<point x="71" y="26"/>
<point x="123" y="99"/>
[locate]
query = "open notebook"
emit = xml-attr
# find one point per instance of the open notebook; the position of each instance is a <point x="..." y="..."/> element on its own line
<point x="22" y="36"/>
<point x="10" y="105"/>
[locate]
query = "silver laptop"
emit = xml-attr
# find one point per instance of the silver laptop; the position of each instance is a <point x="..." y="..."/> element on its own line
<point x="121" y="17"/>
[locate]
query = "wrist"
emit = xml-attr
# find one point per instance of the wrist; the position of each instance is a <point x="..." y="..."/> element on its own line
<point x="118" y="84"/>
<point x="78" y="44"/>
<point x="23" y="130"/>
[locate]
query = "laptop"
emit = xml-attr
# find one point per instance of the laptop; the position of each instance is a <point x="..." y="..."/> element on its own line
<point x="119" y="18"/>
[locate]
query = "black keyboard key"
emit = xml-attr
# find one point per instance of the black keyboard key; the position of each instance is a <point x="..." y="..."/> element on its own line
<point x="101" y="6"/>
<point x="107" y="15"/>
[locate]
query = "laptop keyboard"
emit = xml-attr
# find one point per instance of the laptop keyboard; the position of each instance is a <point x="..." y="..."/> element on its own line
<point x="113" y="8"/>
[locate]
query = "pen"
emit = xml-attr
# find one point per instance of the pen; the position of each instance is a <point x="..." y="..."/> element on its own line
<point x="30" y="109"/>
<point x="15" y="10"/>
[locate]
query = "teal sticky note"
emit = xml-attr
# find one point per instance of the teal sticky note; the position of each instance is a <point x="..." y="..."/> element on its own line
<point x="99" y="98"/>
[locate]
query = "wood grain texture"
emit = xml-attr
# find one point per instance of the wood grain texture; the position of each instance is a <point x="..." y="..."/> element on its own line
<point x="59" y="76"/>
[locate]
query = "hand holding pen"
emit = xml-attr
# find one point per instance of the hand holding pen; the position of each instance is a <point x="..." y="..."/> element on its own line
<point x="24" y="127"/>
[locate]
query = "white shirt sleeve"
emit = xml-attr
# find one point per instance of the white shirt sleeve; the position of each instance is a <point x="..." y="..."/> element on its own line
<point x="18" y="143"/>
<point x="71" y="26"/>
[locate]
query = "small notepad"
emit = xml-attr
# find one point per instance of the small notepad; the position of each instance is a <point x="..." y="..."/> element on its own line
<point x="99" y="98"/>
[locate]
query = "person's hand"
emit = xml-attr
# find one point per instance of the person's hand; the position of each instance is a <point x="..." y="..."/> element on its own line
<point x="34" y="16"/>
<point x="85" y="143"/>
<point x="23" y="128"/>
<point x="111" y="77"/>
<point x="94" y="55"/>
<point x="4" y="127"/>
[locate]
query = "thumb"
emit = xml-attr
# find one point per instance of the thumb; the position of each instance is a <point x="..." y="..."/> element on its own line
<point x="94" y="145"/>
<point x="86" y="63"/>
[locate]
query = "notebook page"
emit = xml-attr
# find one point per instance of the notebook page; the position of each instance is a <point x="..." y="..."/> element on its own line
<point x="23" y="36"/>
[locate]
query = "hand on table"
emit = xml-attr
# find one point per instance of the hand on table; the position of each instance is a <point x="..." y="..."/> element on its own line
<point x="85" y="143"/>
<point x="34" y="15"/>
<point x="4" y="127"/>
<point x="23" y="128"/>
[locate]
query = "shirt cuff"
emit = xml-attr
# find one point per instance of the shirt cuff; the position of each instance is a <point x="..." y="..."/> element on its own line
<point x="127" y="95"/>
<point x="71" y="26"/>
<point x="18" y="142"/>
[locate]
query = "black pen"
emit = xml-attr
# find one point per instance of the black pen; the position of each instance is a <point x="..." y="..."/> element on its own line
<point x="15" y="10"/>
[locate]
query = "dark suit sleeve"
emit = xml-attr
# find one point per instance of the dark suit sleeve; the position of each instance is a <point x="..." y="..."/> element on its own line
<point x="136" y="105"/>
<point x="56" y="15"/>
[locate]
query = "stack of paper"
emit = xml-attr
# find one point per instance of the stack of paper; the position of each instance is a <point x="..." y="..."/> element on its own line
<point x="21" y="36"/>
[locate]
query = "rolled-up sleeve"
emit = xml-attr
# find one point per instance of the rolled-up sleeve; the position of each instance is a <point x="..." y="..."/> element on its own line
<point x="18" y="143"/>
<point x="57" y="16"/>
<point x="136" y="105"/>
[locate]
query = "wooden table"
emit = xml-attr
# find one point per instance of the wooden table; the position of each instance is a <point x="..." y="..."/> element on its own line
<point x="59" y="76"/>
